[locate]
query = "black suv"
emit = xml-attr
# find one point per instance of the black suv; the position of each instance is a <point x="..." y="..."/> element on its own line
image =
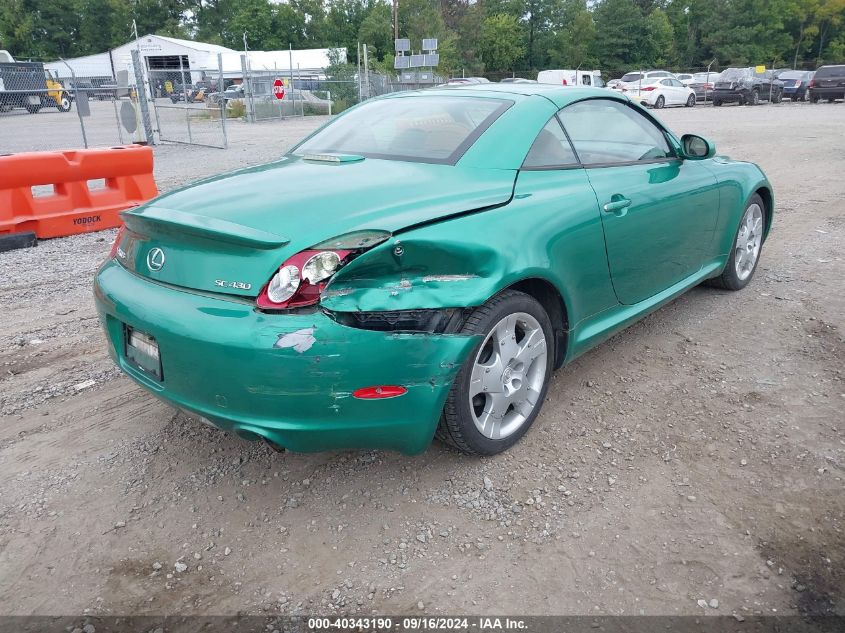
<point x="746" y="85"/>
<point x="828" y="83"/>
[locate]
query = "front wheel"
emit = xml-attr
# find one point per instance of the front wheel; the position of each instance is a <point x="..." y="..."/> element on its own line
<point x="691" y="101"/>
<point x="660" y="102"/>
<point x="747" y="245"/>
<point x="501" y="386"/>
<point x="64" y="104"/>
<point x="753" y="98"/>
<point x="717" y="103"/>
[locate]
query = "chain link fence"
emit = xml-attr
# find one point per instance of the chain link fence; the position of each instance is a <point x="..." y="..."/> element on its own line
<point x="49" y="106"/>
<point x="188" y="105"/>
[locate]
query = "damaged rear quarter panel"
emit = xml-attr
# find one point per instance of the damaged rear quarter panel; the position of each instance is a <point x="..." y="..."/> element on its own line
<point x="550" y="230"/>
<point x="431" y="272"/>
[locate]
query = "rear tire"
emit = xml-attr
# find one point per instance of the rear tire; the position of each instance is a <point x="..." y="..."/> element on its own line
<point x="717" y="103"/>
<point x="32" y="109"/>
<point x="691" y="101"/>
<point x="747" y="248"/>
<point x="64" y="104"/>
<point x="754" y="98"/>
<point x="489" y="407"/>
<point x="814" y="98"/>
<point x="659" y="102"/>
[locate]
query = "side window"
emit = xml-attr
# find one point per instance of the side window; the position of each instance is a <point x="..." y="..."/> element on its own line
<point x="666" y="82"/>
<point x="551" y="148"/>
<point x="607" y="131"/>
<point x="585" y="80"/>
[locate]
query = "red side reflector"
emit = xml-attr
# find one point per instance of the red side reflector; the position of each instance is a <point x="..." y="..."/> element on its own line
<point x="382" y="391"/>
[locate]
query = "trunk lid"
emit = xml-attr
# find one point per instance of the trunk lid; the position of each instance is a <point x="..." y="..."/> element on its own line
<point x="229" y="233"/>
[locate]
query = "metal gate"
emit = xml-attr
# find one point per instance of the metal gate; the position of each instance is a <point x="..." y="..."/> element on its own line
<point x="188" y="106"/>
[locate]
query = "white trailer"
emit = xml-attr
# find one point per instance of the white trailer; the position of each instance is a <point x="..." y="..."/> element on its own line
<point x="571" y="78"/>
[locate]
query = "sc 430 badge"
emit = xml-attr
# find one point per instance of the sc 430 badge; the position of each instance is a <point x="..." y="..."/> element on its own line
<point x="237" y="285"/>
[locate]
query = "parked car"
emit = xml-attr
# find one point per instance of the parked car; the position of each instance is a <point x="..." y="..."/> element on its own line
<point x="517" y="80"/>
<point x="703" y="84"/>
<point x="660" y="92"/>
<point x="795" y="84"/>
<point x="235" y="92"/>
<point x="828" y="83"/>
<point x="632" y="79"/>
<point x="747" y="86"/>
<point x="685" y="78"/>
<point x="613" y="83"/>
<point x="571" y="78"/>
<point x="381" y="300"/>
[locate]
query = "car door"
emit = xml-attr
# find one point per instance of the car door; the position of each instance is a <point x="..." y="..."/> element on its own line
<point x="659" y="212"/>
<point x="668" y="91"/>
<point x="680" y="91"/>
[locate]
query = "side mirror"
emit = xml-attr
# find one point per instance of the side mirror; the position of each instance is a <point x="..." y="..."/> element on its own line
<point x="697" y="147"/>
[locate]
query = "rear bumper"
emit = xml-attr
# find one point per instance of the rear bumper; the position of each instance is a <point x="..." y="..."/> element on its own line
<point x="828" y="93"/>
<point x="234" y="366"/>
<point x="728" y="96"/>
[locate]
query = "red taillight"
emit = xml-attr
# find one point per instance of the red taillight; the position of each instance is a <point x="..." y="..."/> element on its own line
<point x="307" y="291"/>
<point x="812" y="83"/>
<point x="382" y="391"/>
<point x="116" y="243"/>
<point x="564" y="82"/>
<point x="647" y="89"/>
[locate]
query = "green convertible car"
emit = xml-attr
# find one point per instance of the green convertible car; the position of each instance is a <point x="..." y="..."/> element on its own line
<point x="421" y="264"/>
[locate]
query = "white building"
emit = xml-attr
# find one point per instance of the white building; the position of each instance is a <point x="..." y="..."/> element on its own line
<point x="197" y="60"/>
<point x="99" y="65"/>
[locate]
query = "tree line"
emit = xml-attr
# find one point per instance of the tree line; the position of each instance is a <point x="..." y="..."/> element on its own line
<point x="475" y="37"/>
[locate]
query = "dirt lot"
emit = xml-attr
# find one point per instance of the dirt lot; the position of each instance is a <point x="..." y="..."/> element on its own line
<point x="698" y="456"/>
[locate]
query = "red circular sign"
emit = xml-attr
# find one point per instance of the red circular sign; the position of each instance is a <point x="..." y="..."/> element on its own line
<point x="279" y="89"/>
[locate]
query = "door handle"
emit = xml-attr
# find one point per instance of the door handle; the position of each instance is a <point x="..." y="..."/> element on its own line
<point x="618" y="205"/>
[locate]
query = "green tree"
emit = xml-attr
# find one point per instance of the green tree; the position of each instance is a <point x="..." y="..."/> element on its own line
<point x="621" y="32"/>
<point x="659" y="49"/>
<point x="377" y="29"/>
<point x="574" y="37"/>
<point x="501" y="42"/>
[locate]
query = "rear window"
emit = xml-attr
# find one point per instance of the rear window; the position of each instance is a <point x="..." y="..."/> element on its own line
<point x="433" y="129"/>
<point x="830" y="71"/>
<point x="632" y="77"/>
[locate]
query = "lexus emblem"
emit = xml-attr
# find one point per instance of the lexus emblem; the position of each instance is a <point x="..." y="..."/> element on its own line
<point x="155" y="259"/>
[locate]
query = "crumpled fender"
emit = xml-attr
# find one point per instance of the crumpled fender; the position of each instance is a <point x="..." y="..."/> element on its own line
<point x="422" y="271"/>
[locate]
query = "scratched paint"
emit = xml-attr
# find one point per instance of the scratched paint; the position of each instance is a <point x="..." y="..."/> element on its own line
<point x="301" y="340"/>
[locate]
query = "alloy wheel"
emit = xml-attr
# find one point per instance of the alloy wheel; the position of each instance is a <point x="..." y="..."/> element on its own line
<point x="749" y="239"/>
<point x="508" y="375"/>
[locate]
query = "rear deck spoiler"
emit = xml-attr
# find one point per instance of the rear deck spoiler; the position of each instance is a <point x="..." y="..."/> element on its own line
<point x="170" y="221"/>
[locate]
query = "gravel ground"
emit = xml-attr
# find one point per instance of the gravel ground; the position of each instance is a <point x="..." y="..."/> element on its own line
<point x="691" y="465"/>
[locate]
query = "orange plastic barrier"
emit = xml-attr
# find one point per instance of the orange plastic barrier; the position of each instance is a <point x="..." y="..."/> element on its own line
<point x="73" y="207"/>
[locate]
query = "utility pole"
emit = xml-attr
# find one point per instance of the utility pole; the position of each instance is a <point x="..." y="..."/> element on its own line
<point x="395" y="19"/>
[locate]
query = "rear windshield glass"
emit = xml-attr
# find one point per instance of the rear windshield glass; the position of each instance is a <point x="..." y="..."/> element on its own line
<point x="732" y="74"/>
<point x="830" y="71"/>
<point x="632" y="77"/>
<point x="792" y="74"/>
<point x="433" y="129"/>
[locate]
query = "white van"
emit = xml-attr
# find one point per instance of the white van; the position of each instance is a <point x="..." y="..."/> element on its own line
<point x="571" y="78"/>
